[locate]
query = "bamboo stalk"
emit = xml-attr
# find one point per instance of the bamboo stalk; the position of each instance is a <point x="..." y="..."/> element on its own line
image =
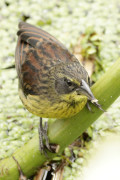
<point x="64" y="131"/>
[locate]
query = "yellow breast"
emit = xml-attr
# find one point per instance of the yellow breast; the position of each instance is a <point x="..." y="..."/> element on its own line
<point x="66" y="107"/>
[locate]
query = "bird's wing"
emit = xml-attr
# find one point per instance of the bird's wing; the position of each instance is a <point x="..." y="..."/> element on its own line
<point x="36" y="52"/>
<point x="32" y="35"/>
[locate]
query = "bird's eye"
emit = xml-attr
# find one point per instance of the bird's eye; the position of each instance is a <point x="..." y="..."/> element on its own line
<point x="69" y="83"/>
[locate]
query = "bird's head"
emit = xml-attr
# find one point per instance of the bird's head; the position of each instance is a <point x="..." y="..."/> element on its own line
<point x="72" y="80"/>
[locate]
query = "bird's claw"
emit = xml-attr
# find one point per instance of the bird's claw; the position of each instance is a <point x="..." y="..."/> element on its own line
<point x="98" y="105"/>
<point x="43" y="136"/>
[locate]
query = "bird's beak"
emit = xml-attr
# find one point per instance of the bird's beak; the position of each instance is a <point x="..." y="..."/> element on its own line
<point x="85" y="90"/>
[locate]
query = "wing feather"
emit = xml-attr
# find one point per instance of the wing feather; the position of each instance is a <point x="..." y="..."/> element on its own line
<point x="28" y="31"/>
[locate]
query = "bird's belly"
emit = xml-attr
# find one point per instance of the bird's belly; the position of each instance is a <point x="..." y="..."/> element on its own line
<point x="44" y="108"/>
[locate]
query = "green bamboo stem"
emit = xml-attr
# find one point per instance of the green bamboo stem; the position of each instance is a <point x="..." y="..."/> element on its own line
<point x="64" y="131"/>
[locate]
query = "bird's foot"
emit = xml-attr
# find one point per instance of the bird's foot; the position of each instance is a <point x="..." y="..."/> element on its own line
<point x="88" y="106"/>
<point x="96" y="104"/>
<point x="43" y="136"/>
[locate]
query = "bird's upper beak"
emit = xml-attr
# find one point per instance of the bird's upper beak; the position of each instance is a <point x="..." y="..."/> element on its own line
<point x="85" y="90"/>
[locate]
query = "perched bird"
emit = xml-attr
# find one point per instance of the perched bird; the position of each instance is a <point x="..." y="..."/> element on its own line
<point x="52" y="82"/>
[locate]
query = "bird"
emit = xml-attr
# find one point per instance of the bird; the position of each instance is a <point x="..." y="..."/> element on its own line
<point x="52" y="81"/>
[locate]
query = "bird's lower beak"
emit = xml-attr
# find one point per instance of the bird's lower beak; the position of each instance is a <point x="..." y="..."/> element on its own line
<point x="85" y="90"/>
